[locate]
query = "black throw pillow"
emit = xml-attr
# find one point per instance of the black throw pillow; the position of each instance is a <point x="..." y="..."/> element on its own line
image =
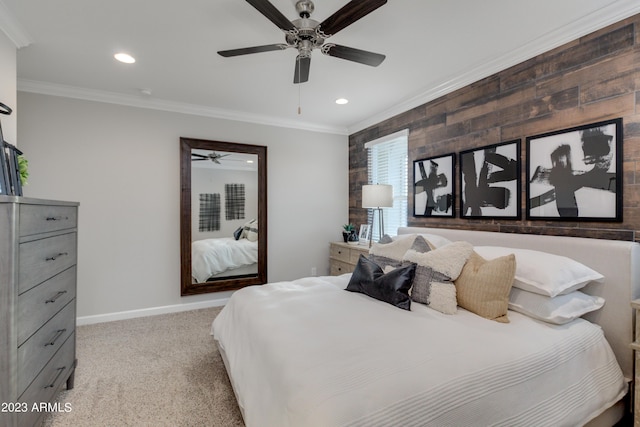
<point x="393" y="287"/>
<point x="238" y="233"/>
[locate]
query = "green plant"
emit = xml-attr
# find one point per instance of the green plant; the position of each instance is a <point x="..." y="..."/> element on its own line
<point x="23" y="168"/>
<point x="349" y="227"/>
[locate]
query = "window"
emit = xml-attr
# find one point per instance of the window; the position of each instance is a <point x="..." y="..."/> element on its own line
<point x="388" y="164"/>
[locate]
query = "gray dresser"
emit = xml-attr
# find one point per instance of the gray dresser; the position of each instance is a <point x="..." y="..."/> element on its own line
<point x="38" y="252"/>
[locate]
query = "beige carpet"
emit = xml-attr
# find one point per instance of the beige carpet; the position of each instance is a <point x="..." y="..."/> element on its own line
<point x="155" y="371"/>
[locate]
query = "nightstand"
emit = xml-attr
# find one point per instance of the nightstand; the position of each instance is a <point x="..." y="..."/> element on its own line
<point x="635" y="345"/>
<point x="344" y="257"/>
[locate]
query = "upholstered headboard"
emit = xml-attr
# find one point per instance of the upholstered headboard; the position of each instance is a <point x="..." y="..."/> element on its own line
<point x="618" y="261"/>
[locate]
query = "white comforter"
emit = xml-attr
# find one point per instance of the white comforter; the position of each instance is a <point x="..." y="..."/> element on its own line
<point x="308" y="353"/>
<point x="213" y="256"/>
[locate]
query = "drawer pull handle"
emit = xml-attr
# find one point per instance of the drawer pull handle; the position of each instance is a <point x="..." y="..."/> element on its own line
<point x="55" y="380"/>
<point x="55" y="297"/>
<point x="59" y="332"/>
<point x="55" y="257"/>
<point x="56" y="218"/>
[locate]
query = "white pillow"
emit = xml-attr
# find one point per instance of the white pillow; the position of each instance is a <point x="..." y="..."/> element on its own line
<point x="435" y="240"/>
<point x="543" y="273"/>
<point x="557" y="310"/>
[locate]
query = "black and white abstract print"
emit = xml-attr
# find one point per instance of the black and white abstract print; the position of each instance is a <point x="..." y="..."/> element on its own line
<point x="575" y="174"/>
<point x="490" y="181"/>
<point x="434" y="186"/>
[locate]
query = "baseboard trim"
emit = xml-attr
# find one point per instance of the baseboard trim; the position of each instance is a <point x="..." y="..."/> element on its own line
<point x="131" y="314"/>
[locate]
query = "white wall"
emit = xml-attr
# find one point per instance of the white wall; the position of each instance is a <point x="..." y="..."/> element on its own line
<point x="209" y="180"/>
<point x="122" y="165"/>
<point x="8" y="87"/>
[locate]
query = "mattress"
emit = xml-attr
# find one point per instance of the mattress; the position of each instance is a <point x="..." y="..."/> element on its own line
<point x="308" y="353"/>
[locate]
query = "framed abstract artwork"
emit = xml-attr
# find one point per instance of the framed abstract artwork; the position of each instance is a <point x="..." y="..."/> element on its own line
<point x="576" y="174"/>
<point x="490" y="181"/>
<point x="434" y="186"/>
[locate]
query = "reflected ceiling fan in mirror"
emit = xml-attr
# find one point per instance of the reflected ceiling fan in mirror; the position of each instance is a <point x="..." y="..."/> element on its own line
<point x="306" y="34"/>
<point x="213" y="156"/>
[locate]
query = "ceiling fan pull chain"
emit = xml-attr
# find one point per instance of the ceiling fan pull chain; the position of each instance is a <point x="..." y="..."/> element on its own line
<point x="299" y="108"/>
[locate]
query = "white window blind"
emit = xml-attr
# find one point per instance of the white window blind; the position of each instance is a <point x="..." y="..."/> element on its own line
<point x="388" y="164"/>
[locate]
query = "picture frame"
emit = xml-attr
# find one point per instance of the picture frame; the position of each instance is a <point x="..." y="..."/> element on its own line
<point x="434" y="186"/>
<point x="365" y="234"/>
<point x="13" y="168"/>
<point x="575" y="174"/>
<point x="491" y="181"/>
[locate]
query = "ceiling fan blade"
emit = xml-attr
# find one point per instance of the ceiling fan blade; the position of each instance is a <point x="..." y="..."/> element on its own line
<point x="248" y="50"/>
<point x="301" y="74"/>
<point x="272" y="14"/>
<point x="348" y="14"/>
<point x="353" y="54"/>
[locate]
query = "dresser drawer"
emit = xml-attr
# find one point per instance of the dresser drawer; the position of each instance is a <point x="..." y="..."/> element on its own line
<point x="340" y="253"/>
<point x="43" y="258"/>
<point x="48" y="381"/>
<point x="35" y="219"/>
<point x="354" y="255"/>
<point x="39" y="304"/>
<point x="37" y="350"/>
<point x="339" y="267"/>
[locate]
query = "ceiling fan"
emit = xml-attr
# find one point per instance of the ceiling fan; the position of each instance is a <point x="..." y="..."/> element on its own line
<point x="213" y="156"/>
<point x="306" y="34"/>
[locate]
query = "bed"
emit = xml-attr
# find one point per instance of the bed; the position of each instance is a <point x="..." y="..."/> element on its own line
<point x="223" y="257"/>
<point x="308" y="353"/>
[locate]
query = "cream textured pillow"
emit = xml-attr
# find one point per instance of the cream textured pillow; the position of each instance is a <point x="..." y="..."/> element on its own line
<point x="436" y="269"/>
<point x="251" y="230"/>
<point x="391" y="254"/>
<point x="483" y="286"/>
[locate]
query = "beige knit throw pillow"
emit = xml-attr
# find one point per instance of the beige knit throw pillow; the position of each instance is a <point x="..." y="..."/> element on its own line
<point x="483" y="286"/>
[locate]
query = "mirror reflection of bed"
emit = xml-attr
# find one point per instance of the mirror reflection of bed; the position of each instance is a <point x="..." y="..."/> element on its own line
<point x="224" y="227"/>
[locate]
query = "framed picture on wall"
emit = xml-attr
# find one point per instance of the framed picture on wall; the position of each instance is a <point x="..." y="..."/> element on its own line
<point x="576" y="174"/>
<point x="490" y="181"/>
<point x="434" y="186"/>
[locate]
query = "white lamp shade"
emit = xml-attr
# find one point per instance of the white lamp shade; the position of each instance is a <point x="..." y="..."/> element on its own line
<point x="377" y="196"/>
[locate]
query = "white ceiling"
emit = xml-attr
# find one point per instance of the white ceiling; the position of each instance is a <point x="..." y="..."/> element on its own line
<point x="432" y="47"/>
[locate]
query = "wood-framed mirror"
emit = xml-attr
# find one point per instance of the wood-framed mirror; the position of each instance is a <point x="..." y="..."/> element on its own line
<point x="223" y="215"/>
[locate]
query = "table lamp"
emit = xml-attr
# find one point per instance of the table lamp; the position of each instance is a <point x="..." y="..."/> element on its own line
<point x="377" y="196"/>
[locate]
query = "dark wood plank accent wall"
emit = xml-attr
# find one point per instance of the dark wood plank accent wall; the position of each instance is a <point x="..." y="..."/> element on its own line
<point x="594" y="78"/>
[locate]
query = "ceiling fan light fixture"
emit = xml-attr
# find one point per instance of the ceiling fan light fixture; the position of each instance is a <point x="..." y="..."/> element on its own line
<point x="342" y="101"/>
<point x="306" y="34"/>
<point x="124" y="57"/>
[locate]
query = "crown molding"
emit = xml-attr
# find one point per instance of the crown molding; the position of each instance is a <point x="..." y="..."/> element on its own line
<point x="45" y="88"/>
<point x="12" y="28"/>
<point x="614" y="12"/>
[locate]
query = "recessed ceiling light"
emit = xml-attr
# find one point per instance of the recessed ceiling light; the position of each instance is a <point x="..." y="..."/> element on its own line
<point x="125" y="57"/>
<point x="342" y="101"/>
